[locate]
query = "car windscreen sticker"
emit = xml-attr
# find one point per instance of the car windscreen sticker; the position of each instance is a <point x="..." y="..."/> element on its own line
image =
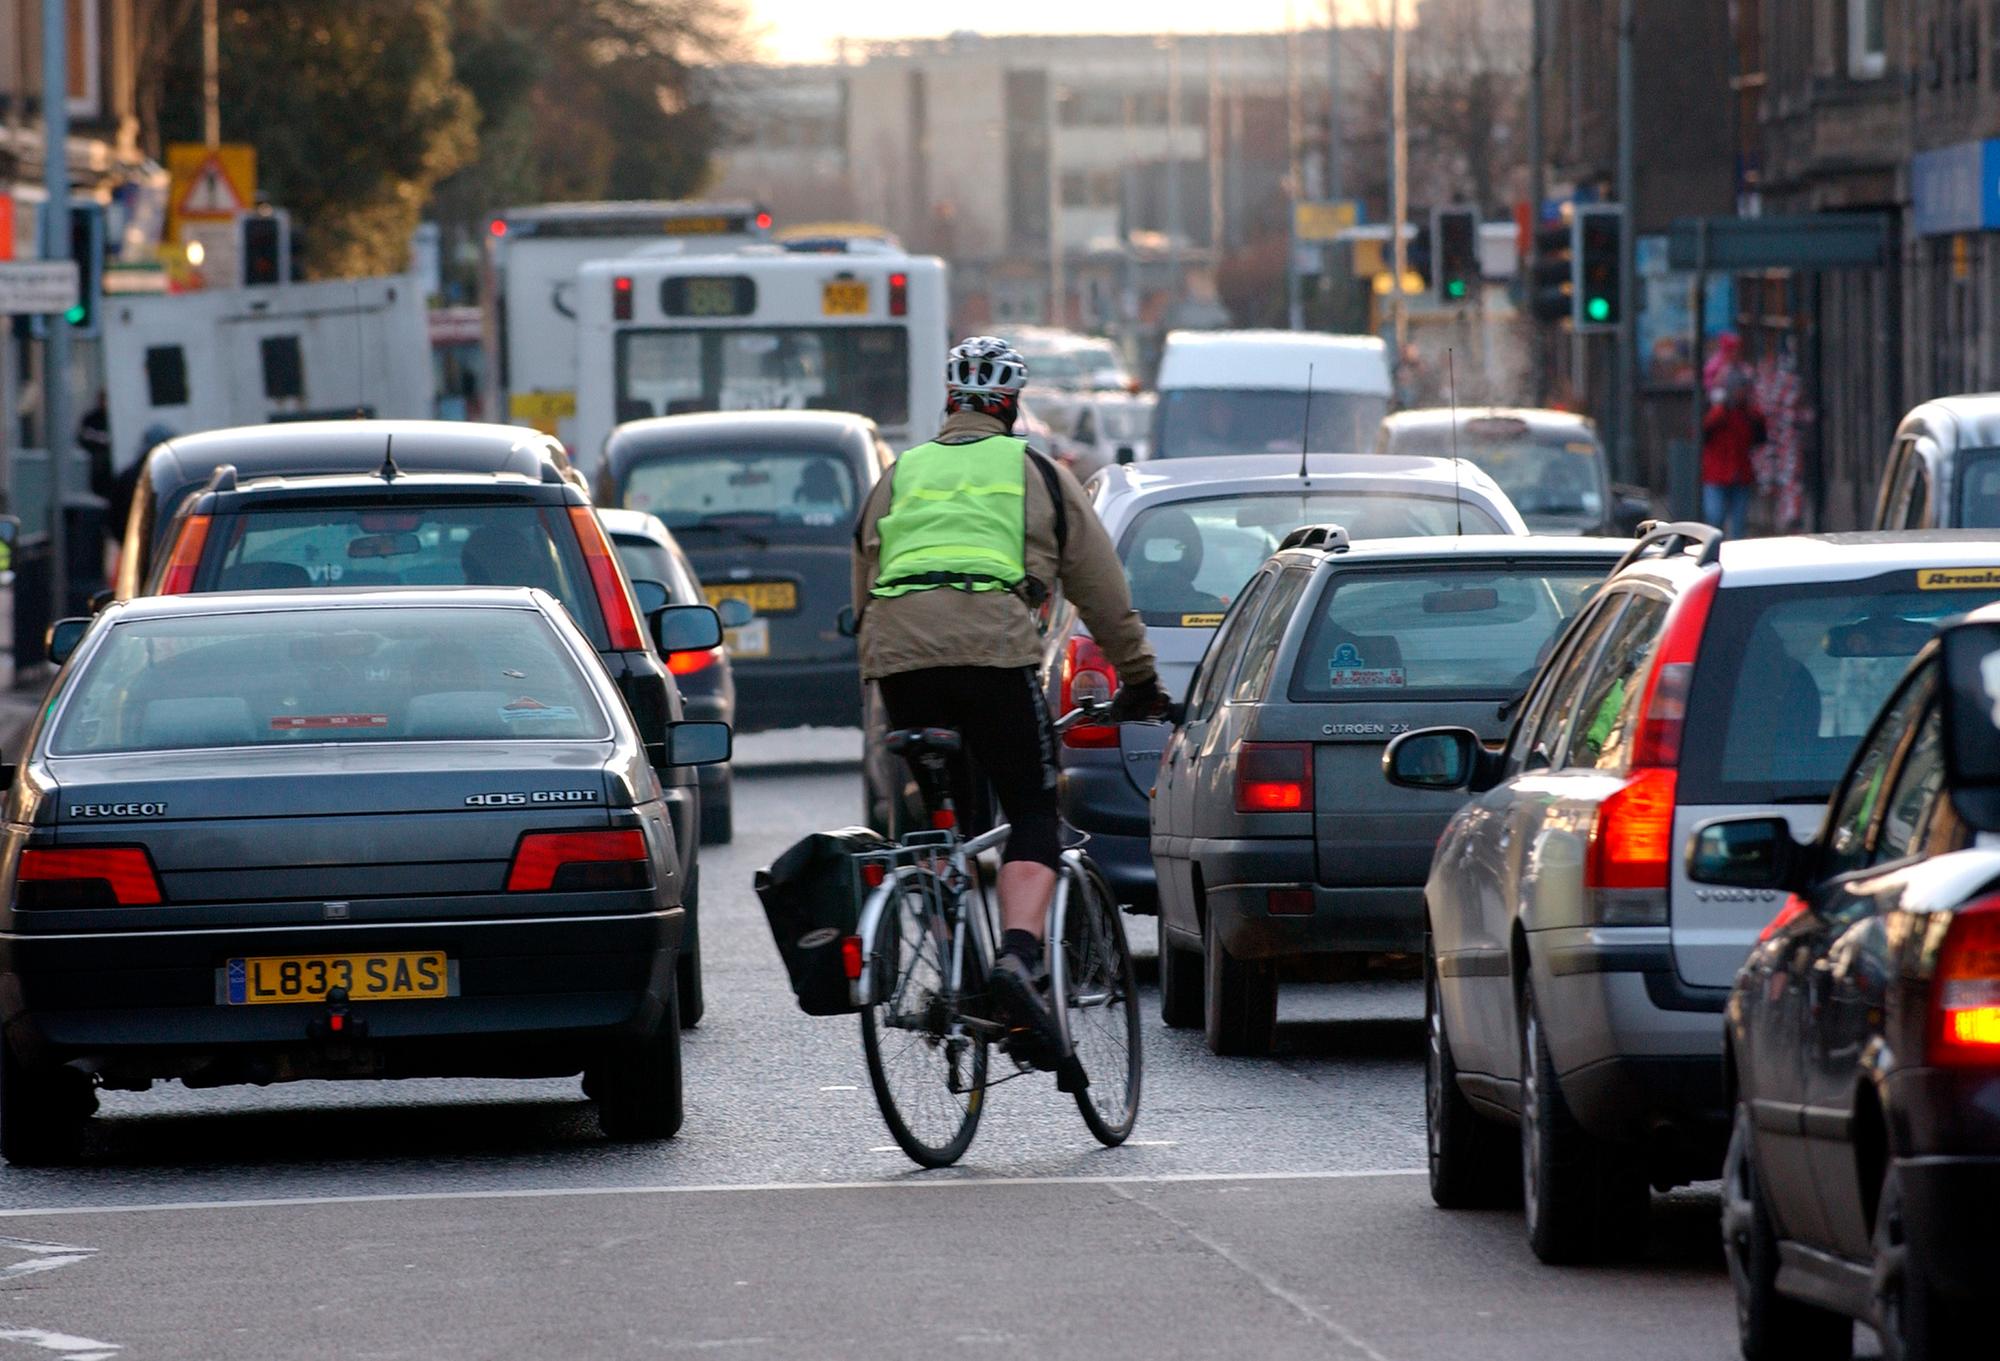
<point x="1958" y="578"/>
<point x="527" y="709"/>
<point x="1349" y="670"/>
<point x="298" y="722"/>
<point x="1200" y="621"/>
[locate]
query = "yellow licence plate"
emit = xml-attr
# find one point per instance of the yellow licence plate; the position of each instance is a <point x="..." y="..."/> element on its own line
<point x="765" y="597"/>
<point x="844" y="298"/>
<point x="385" y="977"/>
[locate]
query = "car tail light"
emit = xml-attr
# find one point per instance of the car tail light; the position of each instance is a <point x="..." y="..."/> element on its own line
<point x="1663" y="707"/>
<point x="1088" y="677"/>
<point x="1965" y="988"/>
<point x="621" y="614"/>
<point x="621" y="298"/>
<point x="763" y="222"/>
<point x="850" y="957"/>
<point x="687" y="663"/>
<point x="1794" y="908"/>
<point x="899" y="294"/>
<point x="574" y="861"/>
<point x="1274" y="777"/>
<point x="186" y="556"/>
<point x="498" y="226"/>
<point x="1632" y="835"/>
<point x="99" y="876"/>
<point x="1289" y="902"/>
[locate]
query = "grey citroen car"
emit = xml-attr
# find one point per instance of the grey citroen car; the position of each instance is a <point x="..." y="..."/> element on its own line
<point x="1274" y="834"/>
<point x="1576" y="977"/>
<point x="342" y="834"/>
<point x="1191" y="532"/>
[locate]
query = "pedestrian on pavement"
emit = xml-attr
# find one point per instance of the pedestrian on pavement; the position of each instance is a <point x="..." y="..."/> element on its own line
<point x="1732" y="427"/>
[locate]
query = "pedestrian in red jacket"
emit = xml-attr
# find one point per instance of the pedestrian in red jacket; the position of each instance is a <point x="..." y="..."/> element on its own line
<point x="1732" y="427"/>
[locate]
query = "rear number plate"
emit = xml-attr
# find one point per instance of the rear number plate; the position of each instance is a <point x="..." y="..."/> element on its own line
<point x="752" y="640"/>
<point x="398" y="976"/>
<point x="844" y="298"/>
<point x="765" y="597"/>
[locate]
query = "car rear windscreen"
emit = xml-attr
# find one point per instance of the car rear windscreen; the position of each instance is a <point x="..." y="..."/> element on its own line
<point x="376" y="674"/>
<point x="1554" y="478"/>
<point x="1978" y="490"/>
<point x="1791" y="677"/>
<point x="747" y="495"/>
<point x="1186" y="560"/>
<point x="1200" y="422"/>
<point x="1475" y="632"/>
<point x="409" y="545"/>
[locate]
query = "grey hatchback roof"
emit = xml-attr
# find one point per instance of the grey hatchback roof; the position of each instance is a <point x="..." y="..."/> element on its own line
<point x="831" y="431"/>
<point x="1441" y="548"/>
<point x="303" y="447"/>
<point x="1841" y="557"/>
<point x="334" y="598"/>
<point x="1970" y="421"/>
<point x="1250" y="474"/>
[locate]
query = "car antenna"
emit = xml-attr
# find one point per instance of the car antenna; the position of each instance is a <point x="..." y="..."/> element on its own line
<point x="1451" y="390"/>
<point x="389" y="468"/>
<point x="1305" y="435"/>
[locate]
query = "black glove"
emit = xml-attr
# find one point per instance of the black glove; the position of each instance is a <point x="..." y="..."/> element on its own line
<point x="1143" y="702"/>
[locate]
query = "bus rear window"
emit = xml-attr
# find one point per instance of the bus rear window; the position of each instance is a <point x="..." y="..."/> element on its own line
<point x="863" y="369"/>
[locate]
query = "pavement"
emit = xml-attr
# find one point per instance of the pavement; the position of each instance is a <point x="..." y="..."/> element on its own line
<point x="1264" y="1208"/>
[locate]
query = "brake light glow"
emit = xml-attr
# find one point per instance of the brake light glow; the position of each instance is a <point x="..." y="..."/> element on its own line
<point x="1794" y="908"/>
<point x="621" y="614"/>
<point x="498" y="226"/>
<point x="899" y="294"/>
<point x="621" y="298"/>
<point x="1274" y="777"/>
<point x="1632" y="835"/>
<point x="97" y="876"/>
<point x="570" y="861"/>
<point x="850" y="957"/>
<point x="687" y="663"/>
<point x="1965" y="988"/>
<point x="193" y="537"/>
<point x="1088" y="676"/>
<point x="763" y="222"/>
<point x="1663" y="707"/>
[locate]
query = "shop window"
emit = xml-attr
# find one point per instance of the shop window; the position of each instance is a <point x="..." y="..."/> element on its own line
<point x="1867" y="47"/>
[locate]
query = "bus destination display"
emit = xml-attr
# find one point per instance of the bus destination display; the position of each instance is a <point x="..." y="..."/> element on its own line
<point x="693" y="295"/>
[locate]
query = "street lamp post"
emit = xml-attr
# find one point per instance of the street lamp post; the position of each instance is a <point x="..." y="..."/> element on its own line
<point x="55" y="246"/>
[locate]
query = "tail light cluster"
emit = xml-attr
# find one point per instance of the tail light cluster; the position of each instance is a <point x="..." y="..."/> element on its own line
<point x="621" y="298"/>
<point x="186" y="557"/>
<point x="1087" y="678"/>
<point x="573" y="862"/>
<point x="93" y="876"/>
<point x="621" y="616"/>
<point x="1965" y="988"/>
<point x="1632" y="834"/>
<point x="687" y="663"/>
<point x="1274" y="777"/>
<point x="899" y="294"/>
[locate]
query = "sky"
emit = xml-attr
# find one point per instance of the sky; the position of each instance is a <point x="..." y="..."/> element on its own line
<point x="805" y="30"/>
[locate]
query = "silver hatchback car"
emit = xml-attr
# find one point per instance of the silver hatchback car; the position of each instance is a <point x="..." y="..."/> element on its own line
<point x="1191" y="533"/>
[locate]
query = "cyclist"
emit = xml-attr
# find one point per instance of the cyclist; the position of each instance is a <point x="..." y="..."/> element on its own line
<point x="954" y="555"/>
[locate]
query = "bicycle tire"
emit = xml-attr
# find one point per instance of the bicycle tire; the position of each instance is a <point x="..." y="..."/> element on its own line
<point x="1102" y="1004"/>
<point x="913" y="1080"/>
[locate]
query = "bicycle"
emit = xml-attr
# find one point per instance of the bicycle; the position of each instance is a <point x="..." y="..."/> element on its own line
<point x="926" y="940"/>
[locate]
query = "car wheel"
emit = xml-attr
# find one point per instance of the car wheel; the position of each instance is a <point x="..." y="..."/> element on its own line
<point x="1769" y="1326"/>
<point x="1180" y="983"/>
<point x="687" y="964"/>
<point x="1473" y="1162"/>
<point x="42" y="1114"/>
<point x="638" y="1085"/>
<point x="1585" y="1201"/>
<point x="718" y="812"/>
<point x="1912" y="1320"/>
<point x="1240" y="1002"/>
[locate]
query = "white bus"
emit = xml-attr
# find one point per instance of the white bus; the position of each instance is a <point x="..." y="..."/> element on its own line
<point x="759" y="329"/>
<point x="532" y="255"/>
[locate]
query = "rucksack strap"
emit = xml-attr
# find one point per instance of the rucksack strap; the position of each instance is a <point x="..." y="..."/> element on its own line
<point x="1054" y="484"/>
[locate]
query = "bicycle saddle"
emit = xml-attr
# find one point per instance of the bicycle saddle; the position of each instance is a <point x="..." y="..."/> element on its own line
<point x="918" y="741"/>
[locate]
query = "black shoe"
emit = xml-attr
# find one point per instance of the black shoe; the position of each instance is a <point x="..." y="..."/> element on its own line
<point x="1020" y="997"/>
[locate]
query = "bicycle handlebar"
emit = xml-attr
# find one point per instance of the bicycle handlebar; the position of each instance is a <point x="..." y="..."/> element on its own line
<point x="1089" y="711"/>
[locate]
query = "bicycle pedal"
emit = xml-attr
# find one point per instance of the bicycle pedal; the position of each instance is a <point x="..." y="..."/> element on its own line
<point x="1070" y="1077"/>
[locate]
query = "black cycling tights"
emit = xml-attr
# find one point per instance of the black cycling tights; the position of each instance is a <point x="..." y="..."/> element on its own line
<point x="1000" y="714"/>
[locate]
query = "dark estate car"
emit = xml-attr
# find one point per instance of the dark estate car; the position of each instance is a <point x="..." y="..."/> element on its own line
<point x="393" y="528"/>
<point x="764" y="502"/>
<point x="1274" y="834"/>
<point x="258" y="837"/>
<point x="1863" y="1042"/>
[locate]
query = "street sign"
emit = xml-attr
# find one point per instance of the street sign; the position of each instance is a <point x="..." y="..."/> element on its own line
<point x="1805" y="241"/>
<point x="1322" y="221"/>
<point x="38" y="286"/>
<point x="209" y="184"/>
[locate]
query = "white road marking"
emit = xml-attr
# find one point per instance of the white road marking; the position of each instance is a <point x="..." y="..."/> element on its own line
<point x="843" y="1087"/>
<point x="64" y="1344"/>
<point x="918" y="1181"/>
<point x="41" y="1257"/>
<point x="48" y="1257"/>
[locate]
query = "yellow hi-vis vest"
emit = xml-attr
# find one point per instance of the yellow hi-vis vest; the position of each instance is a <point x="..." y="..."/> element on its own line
<point x="957" y="518"/>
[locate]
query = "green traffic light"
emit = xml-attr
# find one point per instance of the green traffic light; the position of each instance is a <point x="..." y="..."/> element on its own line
<point x="1454" y="288"/>
<point x="75" y="315"/>
<point x="1598" y="309"/>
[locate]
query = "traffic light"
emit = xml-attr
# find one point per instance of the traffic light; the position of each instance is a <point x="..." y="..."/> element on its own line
<point x="1599" y="250"/>
<point x="1455" y="234"/>
<point x="1422" y="252"/>
<point x="264" y="245"/>
<point x="86" y="247"/>
<point x="1552" y="285"/>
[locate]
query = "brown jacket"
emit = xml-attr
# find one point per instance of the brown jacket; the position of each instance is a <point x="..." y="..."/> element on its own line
<point x="947" y="627"/>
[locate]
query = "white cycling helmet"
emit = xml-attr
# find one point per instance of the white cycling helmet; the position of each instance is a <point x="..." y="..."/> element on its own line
<point x="985" y="365"/>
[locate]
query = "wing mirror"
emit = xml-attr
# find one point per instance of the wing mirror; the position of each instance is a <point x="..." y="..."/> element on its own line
<point x="734" y="612"/>
<point x="63" y="636"/>
<point x="685" y="628"/>
<point x="650" y="595"/>
<point x="693" y="744"/>
<point x="1441" y="759"/>
<point x="1754" y="853"/>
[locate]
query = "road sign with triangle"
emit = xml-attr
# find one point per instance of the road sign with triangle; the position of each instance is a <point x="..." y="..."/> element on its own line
<point x="210" y="184"/>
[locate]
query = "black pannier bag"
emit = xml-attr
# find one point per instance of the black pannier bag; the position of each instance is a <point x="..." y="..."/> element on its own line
<point x="812" y="897"/>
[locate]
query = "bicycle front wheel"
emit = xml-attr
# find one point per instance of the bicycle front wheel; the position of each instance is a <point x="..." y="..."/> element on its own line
<point x="928" y="1073"/>
<point x="1102" y="999"/>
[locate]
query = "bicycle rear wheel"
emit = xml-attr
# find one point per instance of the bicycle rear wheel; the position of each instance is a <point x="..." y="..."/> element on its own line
<point x="929" y="1076"/>
<point x="1102" y="1000"/>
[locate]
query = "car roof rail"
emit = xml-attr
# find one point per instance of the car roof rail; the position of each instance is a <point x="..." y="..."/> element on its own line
<point x="223" y="478"/>
<point x="1331" y="538"/>
<point x="1672" y="537"/>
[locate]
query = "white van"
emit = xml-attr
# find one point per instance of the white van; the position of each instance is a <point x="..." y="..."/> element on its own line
<point x="1244" y="392"/>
